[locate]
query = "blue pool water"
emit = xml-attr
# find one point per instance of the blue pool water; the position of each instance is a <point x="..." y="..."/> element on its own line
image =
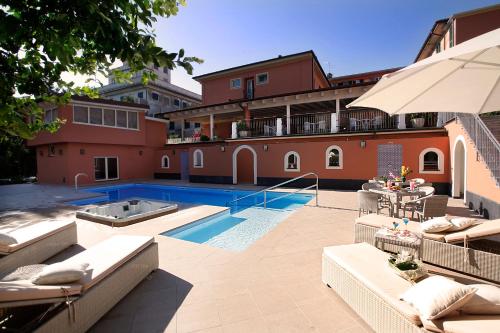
<point x="235" y="229"/>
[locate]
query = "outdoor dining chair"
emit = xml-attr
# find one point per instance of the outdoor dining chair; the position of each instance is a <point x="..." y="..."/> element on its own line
<point x="418" y="181"/>
<point x="353" y="124"/>
<point x="433" y="206"/>
<point x="377" y="122"/>
<point x="322" y="126"/>
<point x="307" y="127"/>
<point x="368" y="202"/>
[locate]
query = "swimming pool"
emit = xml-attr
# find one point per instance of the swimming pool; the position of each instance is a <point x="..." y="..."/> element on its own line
<point x="236" y="229"/>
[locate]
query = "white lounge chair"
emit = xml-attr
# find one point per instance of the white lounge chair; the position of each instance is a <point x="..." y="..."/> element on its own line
<point x="127" y="261"/>
<point x="35" y="243"/>
<point x="360" y="275"/>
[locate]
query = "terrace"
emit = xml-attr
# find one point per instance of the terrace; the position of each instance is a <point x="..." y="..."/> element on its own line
<point x="319" y="112"/>
<point x="273" y="286"/>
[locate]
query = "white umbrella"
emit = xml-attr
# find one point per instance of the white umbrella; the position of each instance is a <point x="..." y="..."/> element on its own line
<point x="464" y="78"/>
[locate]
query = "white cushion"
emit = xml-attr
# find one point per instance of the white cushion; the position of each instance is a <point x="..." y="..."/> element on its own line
<point x="460" y="223"/>
<point x="437" y="224"/>
<point x="6" y="239"/>
<point x="23" y="273"/>
<point x="59" y="273"/>
<point x="486" y="301"/>
<point x="437" y="296"/>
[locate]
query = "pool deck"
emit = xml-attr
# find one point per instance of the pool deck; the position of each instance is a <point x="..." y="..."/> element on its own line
<point x="273" y="286"/>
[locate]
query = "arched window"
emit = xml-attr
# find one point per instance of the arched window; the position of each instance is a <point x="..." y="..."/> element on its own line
<point x="431" y="160"/>
<point x="165" y="162"/>
<point x="292" y="161"/>
<point x="198" y="158"/>
<point x="334" y="157"/>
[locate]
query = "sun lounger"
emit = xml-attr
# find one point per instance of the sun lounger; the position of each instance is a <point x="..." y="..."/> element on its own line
<point x="116" y="266"/>
<point x="360" y="275"/>
<point x="456" y="251"/>
<point x="35" y="243"/>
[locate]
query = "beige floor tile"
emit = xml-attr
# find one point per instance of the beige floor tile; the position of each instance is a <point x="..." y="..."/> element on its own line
<point x="237" y="308"/>
<point x="254" y="325"/>
<point x="197" y="316"/>
<point x="272" y="300"/>
<point x="289" y="321"/>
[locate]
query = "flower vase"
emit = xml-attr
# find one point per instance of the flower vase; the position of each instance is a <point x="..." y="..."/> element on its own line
<point x="403" y="179"/>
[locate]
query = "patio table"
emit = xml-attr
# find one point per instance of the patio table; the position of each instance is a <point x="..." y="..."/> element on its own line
<point x="396" y="196"/>
<point x="402" y="238"/>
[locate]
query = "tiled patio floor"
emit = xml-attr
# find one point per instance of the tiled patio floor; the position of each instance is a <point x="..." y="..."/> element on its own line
<point x="273" y="286"/>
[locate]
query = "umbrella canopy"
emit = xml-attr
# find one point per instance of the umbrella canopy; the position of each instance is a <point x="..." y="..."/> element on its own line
<point x="464" y="78"/>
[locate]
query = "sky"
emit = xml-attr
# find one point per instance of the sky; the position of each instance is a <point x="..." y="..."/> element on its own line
<point x="347" y="36"/>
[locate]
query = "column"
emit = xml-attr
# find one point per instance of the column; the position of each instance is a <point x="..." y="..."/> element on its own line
<point x="211" y="126"/>
<point x="439" y="122"/>
<point x="234" y="130"/>
<point x="182" y="130"/>
<point x="334" y="123"/>
<point x="288" y="119"/>
<point x="279" y="127"/>
<point x="402" y="121"/>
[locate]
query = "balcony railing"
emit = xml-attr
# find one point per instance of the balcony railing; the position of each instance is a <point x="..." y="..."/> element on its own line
<point x="366" y="120"/>
<point x="312" y="123"/>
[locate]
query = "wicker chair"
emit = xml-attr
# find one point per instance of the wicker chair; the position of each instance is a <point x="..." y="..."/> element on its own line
<point x="433" y="206"/>
<point x="368" y="202"/>
<point x="416" y="204"/>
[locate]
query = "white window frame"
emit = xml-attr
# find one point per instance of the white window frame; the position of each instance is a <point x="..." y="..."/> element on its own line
<point x="102" y="125"/>
<point x="50" y="112"/>
<point x="440" y="161"/>
<point x="327" y="158"/>
<point x="178" y="105"/>
<point x="201" y="159"/>
<point x="257" y="83"/>
<point x="285" y="162"/>
<point x="231" y="86"/>
<point x="163" y="164"/>
<point x="106" y="167"/>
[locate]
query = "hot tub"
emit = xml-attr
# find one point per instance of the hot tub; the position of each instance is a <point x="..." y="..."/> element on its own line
<point x="120" y="214"/>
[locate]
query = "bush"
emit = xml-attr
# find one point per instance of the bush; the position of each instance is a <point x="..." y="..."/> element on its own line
<point x="204" y="138"/>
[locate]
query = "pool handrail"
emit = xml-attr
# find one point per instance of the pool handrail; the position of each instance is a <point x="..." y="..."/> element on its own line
<point x="285" y="195"/>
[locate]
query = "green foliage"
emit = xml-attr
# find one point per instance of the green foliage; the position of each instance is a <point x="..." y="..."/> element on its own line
<point x="16" y="161"/>
<point x="204" y="138"/>
<point x="242" y="125"/>
<point x="39" y="40"/>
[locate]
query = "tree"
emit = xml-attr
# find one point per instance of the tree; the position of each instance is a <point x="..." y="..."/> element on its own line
<point x="41" y="39"/>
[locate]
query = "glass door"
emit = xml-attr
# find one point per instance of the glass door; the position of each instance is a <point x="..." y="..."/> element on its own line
<point x="249" y="89"/>
<point x="106" y="168"/>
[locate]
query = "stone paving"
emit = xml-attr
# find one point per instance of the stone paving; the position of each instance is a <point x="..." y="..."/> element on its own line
<point x="273" y="286"/>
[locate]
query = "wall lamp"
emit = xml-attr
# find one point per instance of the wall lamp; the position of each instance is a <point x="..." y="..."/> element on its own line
<point x="222" y="148"/>
<point x="266" y="147"/>
<point x="362" y="144"/>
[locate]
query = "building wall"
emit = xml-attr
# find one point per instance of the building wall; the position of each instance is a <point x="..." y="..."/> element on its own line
<point x="73" y="132"/>
<point x="471" y="26"/>
<point x="284" y="77"/>
<point x="133" y="162"/>
<point x="359" y="164"/>
<point x="480" y="187"/>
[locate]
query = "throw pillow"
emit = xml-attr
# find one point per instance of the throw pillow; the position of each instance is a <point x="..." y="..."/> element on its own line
<point x="437" y="224"/>
<point x="437" y="296"/>
<point x="23" y="273"/>
<point x="486" y="301"/>
<point x="60" y="273"/>
<point x="6" y="239"/>
<point x="461" y="223"/>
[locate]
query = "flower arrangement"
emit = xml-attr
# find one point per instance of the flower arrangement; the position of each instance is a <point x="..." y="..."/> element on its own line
<point x="405" y="171"/>
<point x="406" y="266"/>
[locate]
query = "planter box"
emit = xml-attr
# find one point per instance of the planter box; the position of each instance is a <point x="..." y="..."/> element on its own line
<point x="418" y="122"/>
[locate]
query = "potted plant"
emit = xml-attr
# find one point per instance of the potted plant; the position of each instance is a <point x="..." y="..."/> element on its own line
<point x="242" y="128"/>
<point x="405" y="171"/>
<point x="204" y="138"/>
<point x="417" y="120"/>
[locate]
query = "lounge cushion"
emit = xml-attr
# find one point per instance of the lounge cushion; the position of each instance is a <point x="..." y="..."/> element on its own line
<point x="25" y="290"/>
<point x="60" y="273"/>
<point x="486" y="301"/>
<point x="369" y="266"/>
<point x="378" y="221"/>
<point x="482" y="230"/>
<point x="31" y="233"/>
<point x="436" y="296"/>
<point x="464" y="324"/>
<point x="108" y="255"/>
<point x="437" y="224"/>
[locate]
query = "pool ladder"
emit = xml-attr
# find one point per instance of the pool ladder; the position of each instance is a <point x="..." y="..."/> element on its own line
<point x="315" y="185"/>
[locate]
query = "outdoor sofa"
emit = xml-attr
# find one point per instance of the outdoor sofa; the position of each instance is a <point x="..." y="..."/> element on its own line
<point x="35" y="243"/>
<point x="467" y="251"/>
<point x="360" y="275"/>
<point x="116" y="266"/>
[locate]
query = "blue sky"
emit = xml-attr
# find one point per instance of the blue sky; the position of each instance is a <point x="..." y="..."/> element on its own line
<point x="347" y="36"/>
